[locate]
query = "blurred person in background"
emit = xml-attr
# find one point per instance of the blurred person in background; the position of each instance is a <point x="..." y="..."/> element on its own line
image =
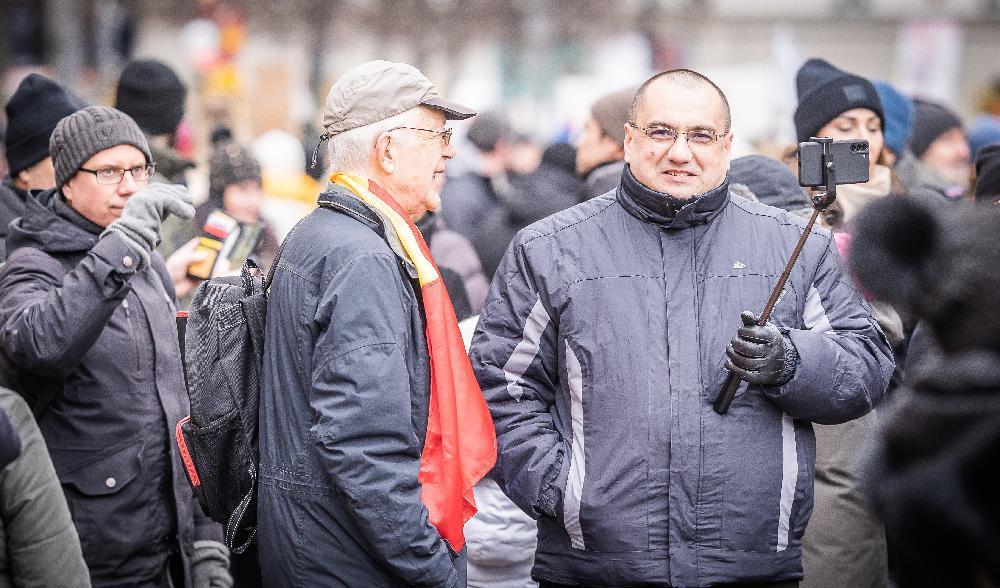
<point x="39" y="546"/>
<point x="897" y="111"/>
<point x="32" y="113"/>
<point x="290" y="193"/>
<point x="844" y="544"/>
<point x="89" y="336"/>
<point x="984" y="129"/>
<point x="552" y="187"/>
<point x="988" y="175"/>
<point x="600" y="155"/>
<point x="771" y="182"/>
<point x="525" y="155"/>
<point x="475" y="203"/>
<point x="941" y="151"/>
<point x="235" y="187"/>
<point x="150" y="92"/>
<point x="459" y="264"/>
<point x="604" y="343"/>
<point x="932" y="464"/>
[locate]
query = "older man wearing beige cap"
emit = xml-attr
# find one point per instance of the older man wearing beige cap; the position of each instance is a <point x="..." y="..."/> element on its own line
<point x="363" y="470"/>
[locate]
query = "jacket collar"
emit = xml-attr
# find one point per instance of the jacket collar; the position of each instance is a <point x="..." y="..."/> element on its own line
<point x="341" y="199"/>
<point x="45" y="226"/>
<point x="664" y="210"/>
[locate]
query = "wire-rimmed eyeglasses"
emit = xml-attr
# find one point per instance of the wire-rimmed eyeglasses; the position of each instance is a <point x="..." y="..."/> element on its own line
<point x="444" y="134"/>
<point x="668" y="135"/>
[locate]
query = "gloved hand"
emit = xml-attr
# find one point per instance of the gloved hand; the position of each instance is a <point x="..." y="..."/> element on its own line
<point x="761" y="355"/>
<point x="139" y="224"/>
<point x="210" y="565"/>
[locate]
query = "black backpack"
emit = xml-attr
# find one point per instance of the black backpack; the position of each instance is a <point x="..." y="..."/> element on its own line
<point x="223" y="356"/>
<point x="223" y="364"/>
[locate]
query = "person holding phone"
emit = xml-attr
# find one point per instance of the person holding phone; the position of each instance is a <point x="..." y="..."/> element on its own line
<point x="844" y="544"/>
<point x="603" y="345"/>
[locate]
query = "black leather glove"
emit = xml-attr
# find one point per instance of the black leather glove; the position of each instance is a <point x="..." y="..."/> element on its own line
<point x="761" y="355"/>
<point x="139" y="224"/>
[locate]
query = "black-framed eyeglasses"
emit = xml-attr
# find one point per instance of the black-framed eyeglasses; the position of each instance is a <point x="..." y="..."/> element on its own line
<point x="667" y="135"/>
<point x="444" y="134"/>
<point x="114" y="175"/>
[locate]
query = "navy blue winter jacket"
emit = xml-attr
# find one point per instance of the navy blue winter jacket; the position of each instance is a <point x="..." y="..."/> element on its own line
<point x="600" y="351"/>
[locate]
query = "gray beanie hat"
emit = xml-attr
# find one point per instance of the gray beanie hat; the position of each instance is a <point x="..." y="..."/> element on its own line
<point x="83" y="134"/>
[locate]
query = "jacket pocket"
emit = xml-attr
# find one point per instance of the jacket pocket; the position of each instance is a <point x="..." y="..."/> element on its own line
<point x="110" y="508"/>
<point x="108" y="472"/>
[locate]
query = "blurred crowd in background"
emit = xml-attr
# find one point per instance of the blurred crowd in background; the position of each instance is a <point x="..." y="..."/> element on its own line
<point x="228" y="94"/>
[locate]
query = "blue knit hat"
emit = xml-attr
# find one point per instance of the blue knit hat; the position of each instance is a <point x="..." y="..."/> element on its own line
<point x="983" y="130"/>
<point x="898" y="109"/>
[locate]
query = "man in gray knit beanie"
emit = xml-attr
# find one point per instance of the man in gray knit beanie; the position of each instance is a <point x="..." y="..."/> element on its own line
<point x="103" y="164"/>
<point x="88" y="330"/>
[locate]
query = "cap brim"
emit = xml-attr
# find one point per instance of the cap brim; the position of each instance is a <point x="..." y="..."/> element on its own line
<point x="451" y="110"/>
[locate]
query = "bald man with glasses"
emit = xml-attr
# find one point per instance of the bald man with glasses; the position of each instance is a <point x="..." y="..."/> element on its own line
<point x="608" y="333"/>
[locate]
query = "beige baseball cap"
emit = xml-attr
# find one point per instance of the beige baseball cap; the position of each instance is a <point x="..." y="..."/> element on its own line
<point x="377" y="90"/>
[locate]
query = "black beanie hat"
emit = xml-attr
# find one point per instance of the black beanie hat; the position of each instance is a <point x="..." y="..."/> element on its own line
<point x="988" y="174"/>
<point x="153" y="95"/>
<point x="930" y="121"/>
<point x="825" y="92"/>
<point x="33" y="111"/>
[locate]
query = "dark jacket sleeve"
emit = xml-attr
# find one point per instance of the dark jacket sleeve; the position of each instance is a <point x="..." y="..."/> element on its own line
<point x="42" y="546"/>
<point x="845" y="360"/>
<point x="514" y="354"/>
<point x="362" y="417"/>
<point x="51" y="319"/>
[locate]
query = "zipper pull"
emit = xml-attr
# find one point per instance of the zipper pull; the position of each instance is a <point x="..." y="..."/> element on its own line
<point x="125" y="306"/>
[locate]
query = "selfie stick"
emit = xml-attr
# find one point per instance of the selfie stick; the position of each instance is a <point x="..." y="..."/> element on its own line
<point x="820" y="202"/>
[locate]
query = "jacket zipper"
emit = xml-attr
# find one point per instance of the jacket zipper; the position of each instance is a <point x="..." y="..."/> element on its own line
<point x="135" y="339"/>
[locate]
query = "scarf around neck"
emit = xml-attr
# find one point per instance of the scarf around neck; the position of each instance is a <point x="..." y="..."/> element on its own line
<point x="461" y="446"/>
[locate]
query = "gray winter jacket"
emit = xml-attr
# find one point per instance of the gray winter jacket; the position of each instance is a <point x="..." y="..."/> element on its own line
<point x="343" y="413"/>
<point x="600" y="351"/>
<point x="39" y="546"/>
<point x="79" y="322"/>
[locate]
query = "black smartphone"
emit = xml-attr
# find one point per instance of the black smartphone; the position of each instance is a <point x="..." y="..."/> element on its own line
<point x="850" y="157"/>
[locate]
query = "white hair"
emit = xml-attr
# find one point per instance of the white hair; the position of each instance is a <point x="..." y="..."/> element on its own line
<point x="351" y="151"/>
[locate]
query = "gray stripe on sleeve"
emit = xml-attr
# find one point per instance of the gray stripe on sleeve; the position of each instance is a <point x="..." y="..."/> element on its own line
<point x="526" y="349"/>
<point x="789" y="476"/>
<point x="814" y="315"/>
<point x="577" y="464"/>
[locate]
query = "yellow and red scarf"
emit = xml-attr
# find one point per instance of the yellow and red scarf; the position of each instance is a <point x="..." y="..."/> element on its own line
<point x="461" y="444"/>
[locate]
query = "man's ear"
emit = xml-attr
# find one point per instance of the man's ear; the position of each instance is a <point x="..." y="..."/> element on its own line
<point x="23" y="178"/>
<point x="627" y="143"/>
<point x="67" y="191"/>
<point x="385" y="153"/>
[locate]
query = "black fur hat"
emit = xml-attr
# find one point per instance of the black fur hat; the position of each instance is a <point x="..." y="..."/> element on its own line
<point x="941" y="265"/>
